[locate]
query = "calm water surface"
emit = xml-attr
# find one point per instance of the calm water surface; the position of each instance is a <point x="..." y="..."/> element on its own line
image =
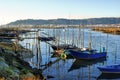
<point x="73" y="69"/>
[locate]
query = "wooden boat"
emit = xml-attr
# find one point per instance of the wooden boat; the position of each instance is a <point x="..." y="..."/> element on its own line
<point x="86" y="53"/>
<point x="110" y="69"/>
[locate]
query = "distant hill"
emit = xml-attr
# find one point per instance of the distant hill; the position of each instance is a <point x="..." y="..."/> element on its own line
<point x="61" y="21"/>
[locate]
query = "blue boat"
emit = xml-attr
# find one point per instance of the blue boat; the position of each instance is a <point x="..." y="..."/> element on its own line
<point x="110" y="69"/>
<point x="86" y="53"/>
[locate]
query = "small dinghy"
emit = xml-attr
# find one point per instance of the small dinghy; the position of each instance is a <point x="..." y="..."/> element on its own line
<point x="110" y="69"/>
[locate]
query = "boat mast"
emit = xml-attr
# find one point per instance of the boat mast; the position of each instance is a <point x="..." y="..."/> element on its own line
<point x="115" y="47"/>
<point x="90" y="40"/>
<point x="78" y="39"/>
<point x="107" y="43"/>
<point x="83" y="36"/>
<point x="100" y="42"/>
<point x="90" y="37"/>
<point x="73" y="36"/>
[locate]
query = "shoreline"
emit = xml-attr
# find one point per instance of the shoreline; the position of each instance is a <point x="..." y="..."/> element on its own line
<point x="12" y="65"/>
<point x="110" y="30"/>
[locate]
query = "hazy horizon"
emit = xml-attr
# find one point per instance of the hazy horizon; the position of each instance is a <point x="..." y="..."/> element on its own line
<point x="12" y="10"/>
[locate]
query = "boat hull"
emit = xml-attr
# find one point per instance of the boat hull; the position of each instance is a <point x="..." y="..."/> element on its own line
<point x="85" y="55"/>
<point x="110" y="69"/>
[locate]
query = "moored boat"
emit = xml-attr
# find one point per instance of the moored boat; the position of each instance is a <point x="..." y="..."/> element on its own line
<point x="87" y="53"/>
<point x="110" y="68"/>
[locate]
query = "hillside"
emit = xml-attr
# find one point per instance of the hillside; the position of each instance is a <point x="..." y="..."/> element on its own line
<point x="61" y="21"/>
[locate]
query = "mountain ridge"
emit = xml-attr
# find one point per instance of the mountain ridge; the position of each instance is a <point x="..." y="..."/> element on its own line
<point x="63" y="21"/>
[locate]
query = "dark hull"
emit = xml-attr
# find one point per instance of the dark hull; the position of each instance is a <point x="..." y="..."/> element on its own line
<point x="46" y="38"/>
<point x="86" y="55"/>
<point x="110" y="69"/>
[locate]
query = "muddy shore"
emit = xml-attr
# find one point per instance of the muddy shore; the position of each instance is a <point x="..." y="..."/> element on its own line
<point x="12" y="65"/>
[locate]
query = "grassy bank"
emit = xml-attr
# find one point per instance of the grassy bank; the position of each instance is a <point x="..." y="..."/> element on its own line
<point x="111" y="30"/>
<point x="12" y="66"/>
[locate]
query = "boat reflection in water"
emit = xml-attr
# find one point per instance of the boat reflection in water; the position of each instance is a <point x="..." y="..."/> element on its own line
<point x="78" y="63"/>
<point x="108" y="76"/>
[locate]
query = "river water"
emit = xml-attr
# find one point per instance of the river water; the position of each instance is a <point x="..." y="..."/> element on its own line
<point x="72" y="69"/>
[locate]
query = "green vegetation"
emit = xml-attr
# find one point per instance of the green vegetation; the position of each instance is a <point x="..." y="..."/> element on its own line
<point x="12" y="66"/>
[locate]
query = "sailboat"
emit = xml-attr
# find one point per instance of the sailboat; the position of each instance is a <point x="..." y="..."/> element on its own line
<point x="87" y="53"/>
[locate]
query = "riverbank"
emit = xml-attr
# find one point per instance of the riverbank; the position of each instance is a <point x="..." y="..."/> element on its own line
<point x="111" y="30"/>
<point x="12" y="65"/>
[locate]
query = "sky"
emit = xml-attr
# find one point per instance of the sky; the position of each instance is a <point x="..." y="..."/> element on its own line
<point x="12" y="10"/>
